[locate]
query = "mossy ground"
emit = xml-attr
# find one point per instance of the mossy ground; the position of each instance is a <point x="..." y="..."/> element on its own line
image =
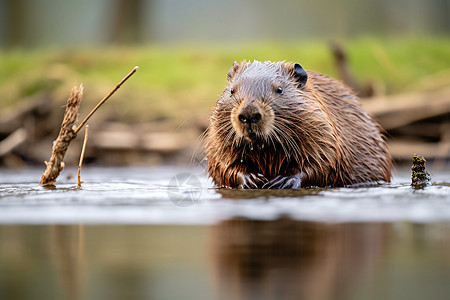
<point x="419" y="176"/>
<point x="180" y="83"/>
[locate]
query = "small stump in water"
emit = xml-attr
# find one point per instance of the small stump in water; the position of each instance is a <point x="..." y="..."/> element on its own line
<point x="420" y="177"/>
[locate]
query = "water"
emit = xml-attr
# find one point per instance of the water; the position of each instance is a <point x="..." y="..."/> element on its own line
<point x="166" y="233"/>
<point x="185" y="196"/>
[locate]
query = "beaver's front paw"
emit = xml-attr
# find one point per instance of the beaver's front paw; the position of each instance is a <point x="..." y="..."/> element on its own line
<point x="284" y="182"/>
<point x="253" y="181"/>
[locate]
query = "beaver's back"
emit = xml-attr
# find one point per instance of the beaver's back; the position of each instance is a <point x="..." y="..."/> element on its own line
<point x="364" y="154"/>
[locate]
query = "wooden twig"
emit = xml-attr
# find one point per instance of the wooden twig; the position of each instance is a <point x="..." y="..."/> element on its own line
<point x="399" y="110"/>
<point x="342" y="65"/>
<point x="340" y="56"/>
<point x="66" y="135"/>
<point x="15" y="139"/>
<point x="82" y="155"/>
<point x="106" y="98"/>
<point x="68" y="131"/>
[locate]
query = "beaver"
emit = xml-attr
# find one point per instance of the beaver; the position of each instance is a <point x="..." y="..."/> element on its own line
<point x="277" y="126"/>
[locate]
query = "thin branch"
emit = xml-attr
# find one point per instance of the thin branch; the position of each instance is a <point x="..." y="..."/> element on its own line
<point x="82" y="155"/>
<point x="68" y="131"/>
<point x="106" y="98"/>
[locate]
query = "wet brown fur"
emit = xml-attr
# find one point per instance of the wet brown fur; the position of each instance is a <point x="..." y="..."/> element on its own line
<point x="319" y="131"/>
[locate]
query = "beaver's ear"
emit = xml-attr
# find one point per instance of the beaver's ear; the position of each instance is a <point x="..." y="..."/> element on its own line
<point x="232" y="70"/>
<point x="300" y="75"/>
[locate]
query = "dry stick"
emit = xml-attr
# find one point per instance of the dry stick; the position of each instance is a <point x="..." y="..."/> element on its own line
<point x="68" y="133"/>
<point x="82" y="155"/>
<point x="106" y="98"/>
<point x="65" y="136"/>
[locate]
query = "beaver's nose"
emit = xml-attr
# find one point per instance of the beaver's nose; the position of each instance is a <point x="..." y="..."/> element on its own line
<point x="249" y="118"/>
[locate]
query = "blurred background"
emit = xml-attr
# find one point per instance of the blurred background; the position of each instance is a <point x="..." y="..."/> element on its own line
<point x="394" y="54"/>
<point x="31" y="23"/>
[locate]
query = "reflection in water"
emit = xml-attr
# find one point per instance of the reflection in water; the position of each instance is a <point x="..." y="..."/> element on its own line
<point x="235" y="259"/>
<point x="287" y="259"/>
<point x="67" y="243"/>
<point x="239" y="194"/>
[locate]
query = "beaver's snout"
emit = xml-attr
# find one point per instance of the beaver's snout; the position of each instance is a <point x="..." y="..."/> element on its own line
<point x="249" y="118"/>
<point x="249" y="113"/>
<point x="252" y="118"/>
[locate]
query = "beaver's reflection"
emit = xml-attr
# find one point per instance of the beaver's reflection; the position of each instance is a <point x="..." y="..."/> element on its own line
<point x="287" y="259"/>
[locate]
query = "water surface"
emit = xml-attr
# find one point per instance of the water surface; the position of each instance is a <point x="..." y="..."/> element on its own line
<point x="174" y="195"/>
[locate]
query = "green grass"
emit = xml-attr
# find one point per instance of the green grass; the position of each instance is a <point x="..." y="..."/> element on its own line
<point x="177" y="83"/>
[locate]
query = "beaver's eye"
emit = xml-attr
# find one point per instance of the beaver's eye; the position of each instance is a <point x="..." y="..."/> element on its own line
<point x="232" y="91"/>
<point x="279" y="90"/>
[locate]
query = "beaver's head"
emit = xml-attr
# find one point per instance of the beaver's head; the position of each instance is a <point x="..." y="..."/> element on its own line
<point x="257" y="93"/>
